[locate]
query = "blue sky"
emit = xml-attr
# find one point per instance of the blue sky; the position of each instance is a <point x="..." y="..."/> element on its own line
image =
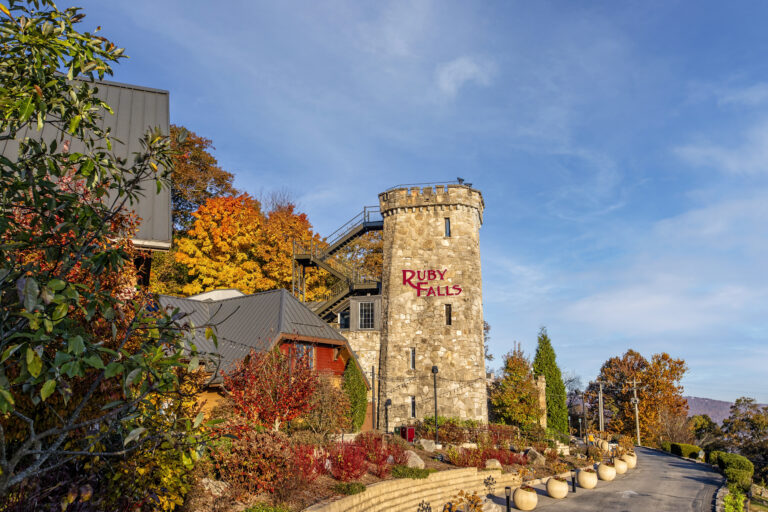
<point x="622" y="149"/>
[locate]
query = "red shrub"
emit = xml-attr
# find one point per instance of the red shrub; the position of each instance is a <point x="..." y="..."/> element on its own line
<point x="347" y="461"/>
<point x="468" y="457"/>
<point x="502" y="435"/>
<point x="396" y="449"/>
<point x="254" y="462"/>
<point x="372" y="445"/>
<point x="307" y="462"/>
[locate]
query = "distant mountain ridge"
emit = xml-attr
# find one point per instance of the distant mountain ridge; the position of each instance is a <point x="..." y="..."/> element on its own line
<point x="718" y="410"/>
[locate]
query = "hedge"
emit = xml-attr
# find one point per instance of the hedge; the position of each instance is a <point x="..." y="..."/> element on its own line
<point x="714" y="457"/>
<point x="666" y="446"/>
<point x="732" y="460"/>
<point x="685" y="450"/>
<point x="738" y="470"/>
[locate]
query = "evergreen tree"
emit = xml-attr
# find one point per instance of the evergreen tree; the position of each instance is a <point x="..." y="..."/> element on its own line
<point x="545" y="364"/>
<point x="354" y="387"/>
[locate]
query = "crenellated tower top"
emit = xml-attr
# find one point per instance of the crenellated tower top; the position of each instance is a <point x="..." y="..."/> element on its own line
<point x="445" y="196"/>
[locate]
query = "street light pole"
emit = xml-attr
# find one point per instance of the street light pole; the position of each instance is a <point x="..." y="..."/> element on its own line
<point x="600" y="407"/>
<point x="386" y="415"/>
<point x="434" y="377"/>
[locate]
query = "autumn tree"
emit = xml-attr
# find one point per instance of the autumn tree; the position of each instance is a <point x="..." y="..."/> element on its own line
<point x="83" y="353"/>
<point x="515" y="398"/>
<point x="195" y="177"/>
<point x="222" y="248"/>
<point x="658" y="389"/>
<point x="233" y="244"/>
<point x="545" y="364"/>
<point x="365" y="254"/>
<point x="284" y="225"/>
<point x="329" y="412"/>
<point x="270" y="388"/>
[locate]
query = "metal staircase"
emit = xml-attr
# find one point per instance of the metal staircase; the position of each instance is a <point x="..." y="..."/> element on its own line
<point x="350" y="281"/>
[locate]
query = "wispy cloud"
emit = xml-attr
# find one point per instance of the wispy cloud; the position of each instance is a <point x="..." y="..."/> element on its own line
<point x="454" y="75"/>
<point x="750" y="156"/>
<point x="756" y="94"/>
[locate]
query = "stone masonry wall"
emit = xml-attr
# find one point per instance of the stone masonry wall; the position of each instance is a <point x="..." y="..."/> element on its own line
<point x="367" y="345"/>
<point x="414" y="305"/>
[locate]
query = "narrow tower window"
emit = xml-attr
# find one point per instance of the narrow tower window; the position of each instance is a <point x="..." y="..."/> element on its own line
<point x="413" y="407"/>
<point x="447" y="227"/>
<point x="448" y="314"/>
<point x="413" y="359"/>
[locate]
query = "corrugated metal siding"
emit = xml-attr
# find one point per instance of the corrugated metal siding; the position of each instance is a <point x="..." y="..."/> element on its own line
<point x="136" y="109"/>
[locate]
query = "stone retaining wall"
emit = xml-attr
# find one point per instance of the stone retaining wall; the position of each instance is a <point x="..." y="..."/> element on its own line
<point x="405" y="494"/>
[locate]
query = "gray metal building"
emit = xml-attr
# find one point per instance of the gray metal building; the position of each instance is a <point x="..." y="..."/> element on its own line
<point x="136" y="109"/>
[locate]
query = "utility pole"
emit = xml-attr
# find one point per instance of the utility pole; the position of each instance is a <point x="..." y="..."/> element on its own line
<point x="584" y="412"/>
<point x="635" y="401"/>
<point x="600" y="407"/>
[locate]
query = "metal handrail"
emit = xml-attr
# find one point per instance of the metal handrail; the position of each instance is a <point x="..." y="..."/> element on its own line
<point x="358" y="220"/>
<point x="429" y="184"/>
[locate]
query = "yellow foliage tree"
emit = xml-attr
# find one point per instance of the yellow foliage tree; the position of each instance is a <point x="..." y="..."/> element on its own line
<point x="233" y="244"/>
<point x="221" y="250"/>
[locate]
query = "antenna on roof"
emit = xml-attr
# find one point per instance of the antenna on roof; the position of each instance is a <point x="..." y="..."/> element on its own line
<point x="460" y="180"/>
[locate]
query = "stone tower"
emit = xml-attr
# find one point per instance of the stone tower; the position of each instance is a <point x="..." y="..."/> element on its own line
<point x="432" y="305"/>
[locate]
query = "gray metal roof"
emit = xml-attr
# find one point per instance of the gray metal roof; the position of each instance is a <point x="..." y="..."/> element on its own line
<point x="249" y="322"/>
<point x="136" y="109"/>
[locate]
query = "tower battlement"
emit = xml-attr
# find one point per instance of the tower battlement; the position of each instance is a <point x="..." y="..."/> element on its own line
<point x="445" y="197"/>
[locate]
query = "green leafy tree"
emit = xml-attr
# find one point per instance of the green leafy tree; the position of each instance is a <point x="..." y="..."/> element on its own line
<point x="82" y="356"/>
<point x="515" y="398"/>
<point x="545" y="364"/>
<point x="354" y="386"/>
<point x="746" y="432"/>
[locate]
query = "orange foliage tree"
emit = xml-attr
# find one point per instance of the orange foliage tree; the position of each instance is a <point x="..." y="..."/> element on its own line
<point x="233" y="244"/>
<point x="658" y="389"/>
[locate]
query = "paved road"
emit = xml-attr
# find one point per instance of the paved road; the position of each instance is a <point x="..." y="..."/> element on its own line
<point x="659" y="483"/>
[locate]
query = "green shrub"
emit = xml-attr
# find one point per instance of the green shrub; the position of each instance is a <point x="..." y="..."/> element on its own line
<point x="739" y="478"/>
<point x="666" y="446"/>
<point x="734" y="502"/>
<point x="685" y="450"/>
<point x="349" y="488"/>
<point x="714" y="457"/>
<point x="406" y="472"/>
<point x="354" y="387"/>
<point x="732" y="460"/>
<point x="264" y="507"/>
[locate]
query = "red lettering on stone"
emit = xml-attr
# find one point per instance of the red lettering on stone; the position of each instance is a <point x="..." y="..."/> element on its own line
<point x="448" y="292"/>
<point x="442" y="274"/>
<point x="431" y="275"/>
<point x="407" y="280"/>
<point x="439" y="289"/>
<point x="421" y="277"/>
<point x="457" y="288"/>
<point x="420" y="288"/>
<point x="431" y="292"/>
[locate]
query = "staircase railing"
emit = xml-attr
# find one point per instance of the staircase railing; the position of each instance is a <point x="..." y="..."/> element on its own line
<point x="369" y="214"/>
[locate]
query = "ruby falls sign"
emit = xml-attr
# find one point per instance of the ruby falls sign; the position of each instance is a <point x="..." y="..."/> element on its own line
<point x="430" y="283"/>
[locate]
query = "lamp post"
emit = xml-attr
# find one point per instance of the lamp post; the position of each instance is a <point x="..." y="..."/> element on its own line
<point x="434" y="377"/>
<point x="386" y="414"/>
<point x="508" y="493"/>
